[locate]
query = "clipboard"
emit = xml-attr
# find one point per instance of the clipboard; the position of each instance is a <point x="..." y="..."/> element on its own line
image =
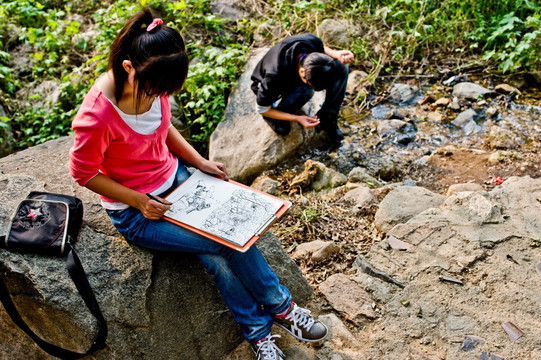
<point x="230" y="213"/>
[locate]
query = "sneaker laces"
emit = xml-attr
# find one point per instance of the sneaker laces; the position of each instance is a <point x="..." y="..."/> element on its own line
<point x="268" y="350"/>
<point x="301" y="317"/>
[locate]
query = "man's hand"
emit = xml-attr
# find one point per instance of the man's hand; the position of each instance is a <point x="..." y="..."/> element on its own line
<point x="307" y="121"/>
<point x="344" y="56"/>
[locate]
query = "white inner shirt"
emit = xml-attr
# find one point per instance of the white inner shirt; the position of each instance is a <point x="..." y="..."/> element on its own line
<point x="145" y="123"/>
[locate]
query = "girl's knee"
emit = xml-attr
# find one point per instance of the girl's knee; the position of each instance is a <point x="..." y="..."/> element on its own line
<point x="217" y="266"/>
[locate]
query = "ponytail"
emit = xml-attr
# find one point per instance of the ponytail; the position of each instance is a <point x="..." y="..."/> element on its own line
<point x="121" y="47"/>
<point x="157" y="53"/>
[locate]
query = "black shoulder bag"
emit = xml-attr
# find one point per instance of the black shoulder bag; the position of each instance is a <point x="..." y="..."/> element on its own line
<point x="46" y="224"/>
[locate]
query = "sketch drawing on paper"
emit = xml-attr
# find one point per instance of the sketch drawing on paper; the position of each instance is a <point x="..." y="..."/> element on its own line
<point x="221" y="208"/>
<point x="196" y="198"/>
<point x="237" y="217"/>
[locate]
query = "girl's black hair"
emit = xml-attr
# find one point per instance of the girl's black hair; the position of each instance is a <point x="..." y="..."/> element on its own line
<point x="321" y="70"/>
<point x="158" y="56"/>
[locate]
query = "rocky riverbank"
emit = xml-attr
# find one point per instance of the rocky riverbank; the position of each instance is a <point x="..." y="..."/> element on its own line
<point x="420" y="232"/>
<point x="446" y="278"/>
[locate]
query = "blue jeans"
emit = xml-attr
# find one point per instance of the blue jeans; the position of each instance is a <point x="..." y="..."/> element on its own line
<point x="248" y="285"/>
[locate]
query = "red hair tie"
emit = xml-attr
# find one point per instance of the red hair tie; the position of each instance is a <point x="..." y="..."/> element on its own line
<point x="154" y="23"/>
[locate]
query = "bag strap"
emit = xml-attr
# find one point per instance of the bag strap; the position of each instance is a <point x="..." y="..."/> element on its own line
<point x="78" y="275"/>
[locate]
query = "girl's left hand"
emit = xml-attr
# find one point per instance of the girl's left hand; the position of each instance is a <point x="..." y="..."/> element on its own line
<point x="214" y="168"/>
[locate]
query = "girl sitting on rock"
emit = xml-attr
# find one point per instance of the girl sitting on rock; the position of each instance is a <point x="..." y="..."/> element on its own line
<point x="125" y="147"/>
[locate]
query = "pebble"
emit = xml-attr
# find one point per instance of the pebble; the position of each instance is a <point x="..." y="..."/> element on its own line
<point x="443" y="101"/>
<point x="470" y="342"/>
<point x="435" y="116"/>
<point x="483" y="285"/>
<point x="507" y="89"/>
<point x="491" y="112"/>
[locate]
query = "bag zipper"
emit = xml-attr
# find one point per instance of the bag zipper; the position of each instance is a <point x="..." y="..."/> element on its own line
<point x="65" y="235"/>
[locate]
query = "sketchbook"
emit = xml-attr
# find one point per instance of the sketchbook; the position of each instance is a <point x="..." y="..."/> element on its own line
<point x="228" y="212"/>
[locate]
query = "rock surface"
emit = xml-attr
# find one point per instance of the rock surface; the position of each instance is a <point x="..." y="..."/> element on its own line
<point x="316" y="251"/>
<point x="348" y="298"/>
<point x="334" y="33"/>
<point x="157" y="305"/>
<point x="469" y="90"/>
<point x="475" y="251"/>
<point x="403" y="94"/>
<point x="231" y="9"/>
<point x="465" y="120"/>
<point x="456" y="188"/>
<point x="445" y="284"/>
<point x="362" y="197"/>
<point x="317" y="176"/>
<point x="403" y="203"/>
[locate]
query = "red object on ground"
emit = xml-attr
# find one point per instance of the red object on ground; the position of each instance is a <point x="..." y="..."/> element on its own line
<point x="498" y="180"/>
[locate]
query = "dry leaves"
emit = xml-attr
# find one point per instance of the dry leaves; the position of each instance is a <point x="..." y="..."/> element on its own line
<point x="330" y="218"/>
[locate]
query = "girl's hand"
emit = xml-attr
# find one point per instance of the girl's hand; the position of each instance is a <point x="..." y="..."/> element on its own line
<point x="214" y="168"/>
<point x="152" y="209"/>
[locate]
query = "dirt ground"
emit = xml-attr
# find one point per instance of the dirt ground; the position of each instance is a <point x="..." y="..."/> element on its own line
<point x="450" y="167"/>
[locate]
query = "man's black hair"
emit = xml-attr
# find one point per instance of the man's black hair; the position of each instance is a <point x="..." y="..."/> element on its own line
<point x="321" y="70"/>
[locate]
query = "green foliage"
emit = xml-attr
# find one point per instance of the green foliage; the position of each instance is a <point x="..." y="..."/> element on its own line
<point x="389" y="34"/>
<point x="297" y="16"/>
<point x="60" y="52"/>
<point x="36" y="125"/>
<point x="6" y="78"/>
<point x="28" y="13"/>
<point x="309" y="214"/>
<point x="512" y="39"/>
<point x="507" y="31"/>
<point x="47" y="31"/>
<point x="109" y="22"/>
<point x="185" y="14"/>
<point x="212" y="74"/>
<point x="294" y="17"/>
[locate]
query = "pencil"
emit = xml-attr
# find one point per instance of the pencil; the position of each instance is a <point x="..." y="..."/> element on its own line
<point x="154" y="198"/>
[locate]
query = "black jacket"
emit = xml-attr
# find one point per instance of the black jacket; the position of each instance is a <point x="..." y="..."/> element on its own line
<point x="277" y="71"/>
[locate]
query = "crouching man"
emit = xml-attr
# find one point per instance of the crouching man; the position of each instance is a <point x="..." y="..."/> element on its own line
<point x="287" y="76"/>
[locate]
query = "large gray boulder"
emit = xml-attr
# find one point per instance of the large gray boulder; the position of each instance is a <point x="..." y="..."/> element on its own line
<point x="157" y="305"/>
<point x="245" y="143"/>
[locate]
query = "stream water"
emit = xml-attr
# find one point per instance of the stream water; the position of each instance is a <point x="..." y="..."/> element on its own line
<point x="501" y="123"/>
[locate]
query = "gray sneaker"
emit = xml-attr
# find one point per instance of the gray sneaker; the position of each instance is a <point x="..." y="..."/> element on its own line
<point x="299" y="323"/>
<point x="266" y="349"/>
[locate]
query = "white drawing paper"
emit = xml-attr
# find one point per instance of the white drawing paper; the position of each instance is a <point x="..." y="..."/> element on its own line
<point x="218" y="207"/>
